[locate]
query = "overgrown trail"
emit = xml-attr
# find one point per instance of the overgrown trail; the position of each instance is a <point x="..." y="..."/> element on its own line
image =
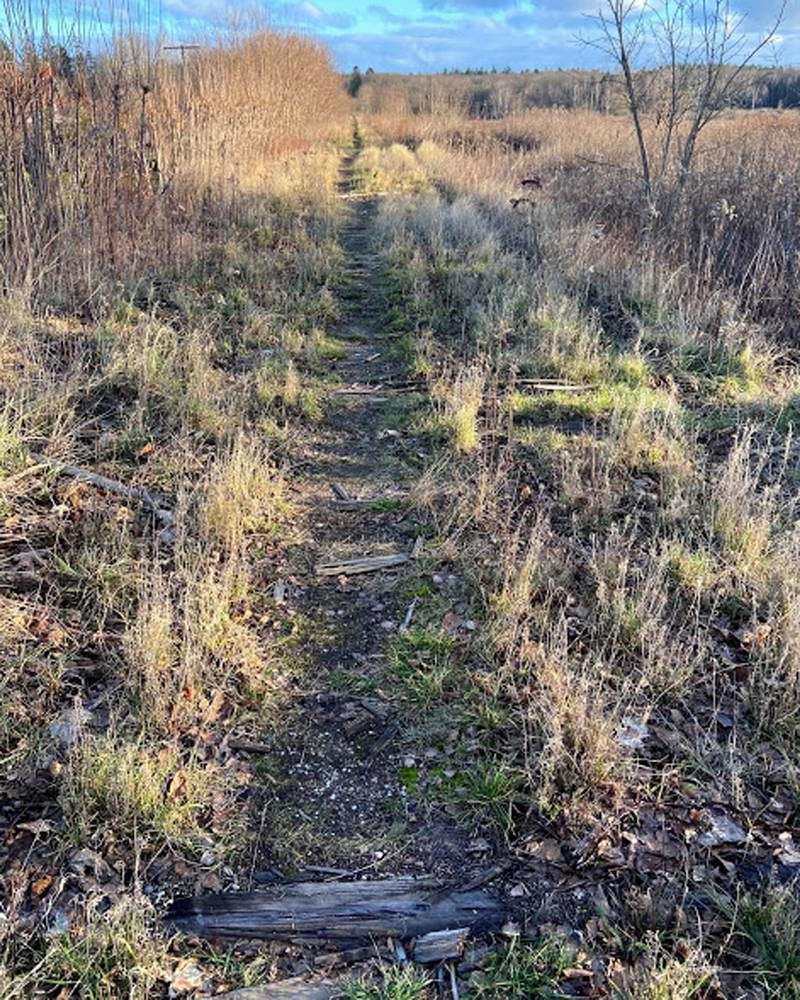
<point x="343" y="803"/>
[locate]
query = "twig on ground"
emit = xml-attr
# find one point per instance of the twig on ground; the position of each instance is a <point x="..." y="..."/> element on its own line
<point x="138" y="493"/>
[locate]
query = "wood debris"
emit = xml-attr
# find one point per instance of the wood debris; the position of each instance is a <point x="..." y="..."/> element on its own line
<point x="401" y="907"/>
<point x="137" y="493"/>
<point x="355" y="390"/>
<point x="438" y="946"/>
<point x="362" y="564"/>
<point x="289" y="989"/>
<point x="406" y="624"/>
<point x="553" y="385"/>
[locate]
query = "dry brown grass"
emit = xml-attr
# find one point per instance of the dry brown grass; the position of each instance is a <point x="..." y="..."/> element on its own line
<point x="459" y="399"/>
<point x="244" y="494"/>
<point x="175" y="630"/>
<point x="143" y="794"/>
<point x="733" y="227"/>
<point x="608" y="527"/>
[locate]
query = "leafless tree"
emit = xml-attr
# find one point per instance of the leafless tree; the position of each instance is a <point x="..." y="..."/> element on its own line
<point x="681" y="64"/>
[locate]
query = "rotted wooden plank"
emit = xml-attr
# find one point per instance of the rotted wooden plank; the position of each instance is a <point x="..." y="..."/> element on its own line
<point x="363" y="564"/>
<point x="352" y="911"/>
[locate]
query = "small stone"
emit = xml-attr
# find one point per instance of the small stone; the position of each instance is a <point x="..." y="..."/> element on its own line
<point x="57" y="923"/>
<point x="631" y="735"/>
<point x="789" y="852"/>
<point x="38" y="827"/>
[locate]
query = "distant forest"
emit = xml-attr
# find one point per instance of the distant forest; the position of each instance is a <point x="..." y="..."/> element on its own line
<point x="491" y="94"/>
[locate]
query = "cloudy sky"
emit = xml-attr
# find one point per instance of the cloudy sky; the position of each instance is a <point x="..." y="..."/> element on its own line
<point x="420" y="35"/>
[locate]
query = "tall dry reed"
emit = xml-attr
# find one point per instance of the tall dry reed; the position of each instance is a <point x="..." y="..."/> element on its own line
<point x="111" y="154"/>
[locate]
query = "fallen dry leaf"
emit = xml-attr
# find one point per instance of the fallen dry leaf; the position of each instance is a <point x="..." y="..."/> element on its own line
<point x="186" y="978"/>
<point x="41" y="885"/>
<point x="177" y="785"/>
<point x="213" y="709"/>
<point x="546" y="850"/>
<point x="719" y="829"/>
<point x="452" y="622"/>
<point x="67" y="728"/>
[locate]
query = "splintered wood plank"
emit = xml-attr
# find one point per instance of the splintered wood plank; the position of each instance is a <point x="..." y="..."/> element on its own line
<point x="364" y="564"/>
<point x="353" y="911"/>
<point x="289" y="989"/>
<point x="537" y="385"/>
<point x="438" y="946"/>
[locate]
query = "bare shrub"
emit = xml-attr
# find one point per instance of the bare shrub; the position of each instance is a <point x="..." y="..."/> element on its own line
<point x="745" y="511"/>
<point x="638" y="623"/>
<point x="527" y="556"/>
<point x="573" y="755"/>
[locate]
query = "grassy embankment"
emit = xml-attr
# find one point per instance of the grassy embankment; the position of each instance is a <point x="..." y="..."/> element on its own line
<point x="632" y="681"/>
<point x="170" y="247"/>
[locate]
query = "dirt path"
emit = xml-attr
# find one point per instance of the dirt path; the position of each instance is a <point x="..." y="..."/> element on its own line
<point x="341" y="801"/>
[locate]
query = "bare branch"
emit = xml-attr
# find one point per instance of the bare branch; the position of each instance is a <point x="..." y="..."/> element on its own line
<point x="701" y="53"/>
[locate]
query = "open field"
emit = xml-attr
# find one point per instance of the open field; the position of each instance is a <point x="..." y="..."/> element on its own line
<point x="366" y="513"/>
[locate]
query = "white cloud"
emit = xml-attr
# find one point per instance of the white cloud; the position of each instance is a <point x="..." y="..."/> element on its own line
<point x="311" y="10"/>
<point x="434" y="34"/>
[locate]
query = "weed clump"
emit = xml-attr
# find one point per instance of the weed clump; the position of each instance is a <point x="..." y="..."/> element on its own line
<point x="459" y="403"/>
<point x="143" y="795"/>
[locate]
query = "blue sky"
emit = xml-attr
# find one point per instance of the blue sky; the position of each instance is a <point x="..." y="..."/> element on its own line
<point x="420" y="35"/>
